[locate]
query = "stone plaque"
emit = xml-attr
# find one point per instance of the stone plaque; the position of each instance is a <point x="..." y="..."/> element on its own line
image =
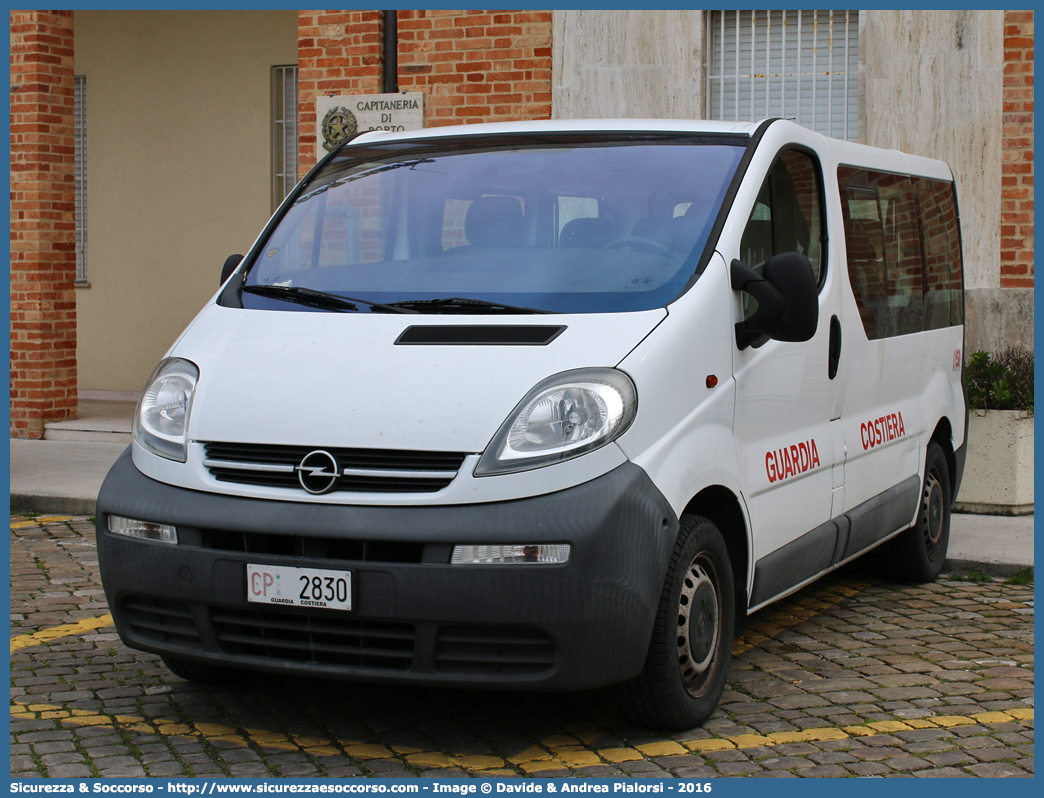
<point x="341" y="117"/>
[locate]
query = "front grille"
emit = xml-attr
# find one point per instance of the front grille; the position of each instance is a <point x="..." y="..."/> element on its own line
<point x="296" y="637"/>
<point x="485" y="650"/>
<point x="315" y="547"/>
<point x="360" y="470"/>
<point x="166" y="621"/>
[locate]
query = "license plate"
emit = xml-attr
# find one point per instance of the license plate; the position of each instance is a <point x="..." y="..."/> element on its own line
<point x="299" y="587"/>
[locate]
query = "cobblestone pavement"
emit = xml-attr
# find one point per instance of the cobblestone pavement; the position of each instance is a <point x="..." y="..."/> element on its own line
<point x="853" y="676"/>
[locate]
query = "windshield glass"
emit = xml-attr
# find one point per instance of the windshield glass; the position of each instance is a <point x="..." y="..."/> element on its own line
<point x="555" y="224"/>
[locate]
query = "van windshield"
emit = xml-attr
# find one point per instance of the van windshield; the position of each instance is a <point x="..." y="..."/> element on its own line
<point x="493" y="224"/>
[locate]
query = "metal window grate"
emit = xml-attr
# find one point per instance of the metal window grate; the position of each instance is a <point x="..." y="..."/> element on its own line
<point x="80" y="177"/>
<point x="799" y="65"/>
<point x="284" y="132"/>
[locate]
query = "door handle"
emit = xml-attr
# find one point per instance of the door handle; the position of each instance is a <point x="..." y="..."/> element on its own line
<point x="835" y="347"/>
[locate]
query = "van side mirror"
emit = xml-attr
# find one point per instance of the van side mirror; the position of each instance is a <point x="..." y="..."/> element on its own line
<point x="231" y="262"/>
<point x="787" y="295"/>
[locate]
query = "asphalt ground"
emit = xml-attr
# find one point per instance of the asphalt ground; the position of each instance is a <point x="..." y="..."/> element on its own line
<point x="852" y="676"/>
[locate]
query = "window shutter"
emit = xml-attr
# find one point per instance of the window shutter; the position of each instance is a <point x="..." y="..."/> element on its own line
<point x="798" y="65"/>
<point x="284" y="132"/>
<point x="80" y="173"/>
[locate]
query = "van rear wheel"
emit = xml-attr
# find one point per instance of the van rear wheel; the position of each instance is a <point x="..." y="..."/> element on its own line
<point x="918" y="554"/>
<point x="691" y="646"/>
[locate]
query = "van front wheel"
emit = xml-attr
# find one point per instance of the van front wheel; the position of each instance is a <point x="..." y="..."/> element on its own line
<point x="918" y="554"/>
<point x="688" y="659"/>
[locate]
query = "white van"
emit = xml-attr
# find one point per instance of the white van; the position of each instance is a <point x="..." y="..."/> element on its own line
<point x="547" y="406"/>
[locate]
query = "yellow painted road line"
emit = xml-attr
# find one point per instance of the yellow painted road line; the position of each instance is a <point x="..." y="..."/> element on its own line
<point x="44" y="519"/>
<point x="869" y="730"/>
<point x="534" y="759"/>
<point x="537" y="758"/>
<point x="209" y="732"/>
<point x="66" y="630"/>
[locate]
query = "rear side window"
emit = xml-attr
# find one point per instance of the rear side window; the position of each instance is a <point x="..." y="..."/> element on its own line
<point x="940" y="232"/>
<point x="903" y="250"/>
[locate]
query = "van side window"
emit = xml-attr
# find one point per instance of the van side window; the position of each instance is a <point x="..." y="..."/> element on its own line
<point x="939" y="230"/>
<point x="867" y="258"/>
<point x="786" y="216"/>
<point x="903" y="251"/>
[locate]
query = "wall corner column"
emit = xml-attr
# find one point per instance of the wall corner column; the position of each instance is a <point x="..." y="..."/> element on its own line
<point x="43" y="222"/>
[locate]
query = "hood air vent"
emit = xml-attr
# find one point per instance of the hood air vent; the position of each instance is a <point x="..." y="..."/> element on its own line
<point x="480" y="335"/>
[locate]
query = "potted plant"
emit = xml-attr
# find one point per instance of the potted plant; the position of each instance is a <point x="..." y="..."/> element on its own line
<point x="998" y="474"/>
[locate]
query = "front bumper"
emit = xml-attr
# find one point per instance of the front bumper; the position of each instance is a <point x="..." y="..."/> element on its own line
<point x="556" y="627"/>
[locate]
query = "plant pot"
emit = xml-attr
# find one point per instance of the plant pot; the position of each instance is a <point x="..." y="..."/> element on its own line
<point x="998" y="474"/>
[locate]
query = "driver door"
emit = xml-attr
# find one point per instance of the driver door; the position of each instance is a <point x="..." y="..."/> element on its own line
<point x="788" y="394"/>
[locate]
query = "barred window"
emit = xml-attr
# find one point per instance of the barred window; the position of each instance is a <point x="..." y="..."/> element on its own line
<point x="798" y="65"/>
<point x="80" y="174"/>
<point x="284" y="132"/>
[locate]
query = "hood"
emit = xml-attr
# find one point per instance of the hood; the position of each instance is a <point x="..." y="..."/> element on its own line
<point x="341" y="380"/>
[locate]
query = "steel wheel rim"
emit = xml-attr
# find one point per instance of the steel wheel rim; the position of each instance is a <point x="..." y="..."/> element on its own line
<point x="698" y="613"/>
<point x="933" y="515"/>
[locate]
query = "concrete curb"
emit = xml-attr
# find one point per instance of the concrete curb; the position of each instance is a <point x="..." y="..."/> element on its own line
<point x="64" y="505"/>
<point x="962" y="566"/>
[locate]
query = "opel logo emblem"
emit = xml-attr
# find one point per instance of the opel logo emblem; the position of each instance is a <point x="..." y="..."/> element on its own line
<point x="318" y="472"/>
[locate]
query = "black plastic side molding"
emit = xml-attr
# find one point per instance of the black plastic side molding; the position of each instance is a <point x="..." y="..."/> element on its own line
<point x="820" y="550"/>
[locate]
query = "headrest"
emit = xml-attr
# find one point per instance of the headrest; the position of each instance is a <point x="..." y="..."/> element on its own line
<point x="494" y="222"/>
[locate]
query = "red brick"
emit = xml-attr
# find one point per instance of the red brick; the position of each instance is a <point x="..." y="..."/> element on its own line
<point x="451" y="55"/>
<point x="43" y="258"/>
<point x="1016" y="243"/>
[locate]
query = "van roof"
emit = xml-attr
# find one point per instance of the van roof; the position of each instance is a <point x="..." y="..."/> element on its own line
<point x="842" y="151"/>
<point x="568" y="126"/>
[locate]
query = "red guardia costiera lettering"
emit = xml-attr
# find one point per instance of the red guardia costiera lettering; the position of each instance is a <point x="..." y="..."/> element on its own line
<point x="788" y="461"/>
<point x="886" y="428"/>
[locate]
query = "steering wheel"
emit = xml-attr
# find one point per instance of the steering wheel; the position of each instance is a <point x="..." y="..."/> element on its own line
<point x="638" y="242"/>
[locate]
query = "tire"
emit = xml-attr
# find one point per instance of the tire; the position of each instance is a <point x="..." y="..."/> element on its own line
<point x="917" y="555"/>
<point x="691" y="645"/>
<point x="204" y="673"/>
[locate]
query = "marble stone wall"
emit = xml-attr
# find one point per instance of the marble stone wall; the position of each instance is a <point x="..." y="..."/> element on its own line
<point x="931" y="83"/>
<point x="627" y="64"/>
<point x="996" y="318"/>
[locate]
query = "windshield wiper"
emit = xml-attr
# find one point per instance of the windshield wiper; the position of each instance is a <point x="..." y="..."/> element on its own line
<point x="463" y="305"/>
<point x="319" y="299"/>
<point x="369" y="172"/>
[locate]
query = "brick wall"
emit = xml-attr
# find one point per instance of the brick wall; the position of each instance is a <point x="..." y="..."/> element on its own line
<point x="43" y="226"/>
<point x="472" y="66"/>
<point x="1017" y="165"/>
<point x="338" y="52"/>
<point x="477" y="66"/>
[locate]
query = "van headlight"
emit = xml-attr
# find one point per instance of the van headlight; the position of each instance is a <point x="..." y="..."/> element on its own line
<point x="565" y="416"/>
<point x="161" y="421"/>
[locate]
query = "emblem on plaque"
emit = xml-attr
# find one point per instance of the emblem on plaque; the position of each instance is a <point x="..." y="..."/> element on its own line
<point x="339" y="125"/>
